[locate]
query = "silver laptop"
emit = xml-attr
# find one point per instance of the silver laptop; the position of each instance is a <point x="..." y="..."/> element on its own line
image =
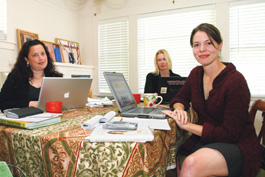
<point x="125" y="100"/>
<point x="73" y="92"/>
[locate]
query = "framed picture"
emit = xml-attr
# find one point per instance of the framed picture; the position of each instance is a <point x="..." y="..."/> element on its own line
<point x="24" y="36"/>
<point x="71" y="51"/>
<point x="55" y="51"/>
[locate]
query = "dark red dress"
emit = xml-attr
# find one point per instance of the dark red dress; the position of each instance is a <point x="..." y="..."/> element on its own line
<point x="224" y="115"/>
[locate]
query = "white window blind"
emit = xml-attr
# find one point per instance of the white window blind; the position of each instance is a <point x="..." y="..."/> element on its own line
<point x="171" y="31"/>
<point x="113" y="50"/>
<point x="247" y="44"/>
<point x="3" y="19"/>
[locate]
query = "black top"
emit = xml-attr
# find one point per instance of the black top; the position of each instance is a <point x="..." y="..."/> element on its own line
<point x="15" y="93"/>
<point x="151" y="83"/>
<point x="33" y="93"/>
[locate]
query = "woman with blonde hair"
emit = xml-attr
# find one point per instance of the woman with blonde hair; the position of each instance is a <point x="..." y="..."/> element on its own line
<point x="163" y="68"/>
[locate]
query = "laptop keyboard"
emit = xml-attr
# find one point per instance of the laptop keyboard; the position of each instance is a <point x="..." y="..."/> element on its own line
<point x="141" y="110"/>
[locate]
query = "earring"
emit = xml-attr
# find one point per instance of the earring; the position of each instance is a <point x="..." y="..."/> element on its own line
<point x="27" y="64"/>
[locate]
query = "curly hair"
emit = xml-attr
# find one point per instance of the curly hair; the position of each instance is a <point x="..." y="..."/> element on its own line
<point x="21" y="71"/>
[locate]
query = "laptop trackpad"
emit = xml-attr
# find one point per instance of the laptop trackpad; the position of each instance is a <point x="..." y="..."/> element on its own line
<point x="141" y="110"/>
<point x="143" y="116"/>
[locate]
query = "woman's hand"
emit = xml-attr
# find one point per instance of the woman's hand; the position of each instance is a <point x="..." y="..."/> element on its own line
<point x="33" y="103"/>
<point x="180" y="116"/>
<point x="180" y="113"/>
<point x="182" y="119"/>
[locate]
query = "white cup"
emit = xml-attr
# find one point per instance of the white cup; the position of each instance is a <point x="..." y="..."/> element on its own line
<point x="150" y="99"/>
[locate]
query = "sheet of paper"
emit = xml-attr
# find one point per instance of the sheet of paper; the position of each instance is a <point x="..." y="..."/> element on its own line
<point x="91" y="123"/>
<point x="94" y="121"/>
<point x="155" y="124"/>
<point x="158" y="124"/>
<point x="99" y="102"/>
<point x="99" y="134"/>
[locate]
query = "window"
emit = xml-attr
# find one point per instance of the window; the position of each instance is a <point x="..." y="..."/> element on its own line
<point x="171" y="31"/>
<point x="3" y="20"/>
<point x="247" y="43"/>
<point x="113" y="50"/>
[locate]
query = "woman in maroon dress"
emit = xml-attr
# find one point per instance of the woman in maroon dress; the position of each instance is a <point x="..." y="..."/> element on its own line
<point x="223" y="141"/>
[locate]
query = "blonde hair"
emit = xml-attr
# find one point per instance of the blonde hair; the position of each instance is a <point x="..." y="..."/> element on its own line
<point x="167" y="57"/>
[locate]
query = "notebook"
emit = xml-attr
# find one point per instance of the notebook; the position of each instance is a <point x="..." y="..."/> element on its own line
<point x="73" y="92"/>
<point x="168" y="87"/>
<point x="125" y="100"/>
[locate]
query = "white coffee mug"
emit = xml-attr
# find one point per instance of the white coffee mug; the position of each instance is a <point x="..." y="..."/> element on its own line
<point x="150" y="99"/>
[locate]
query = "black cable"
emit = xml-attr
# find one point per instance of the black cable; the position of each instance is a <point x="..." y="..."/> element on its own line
<point x="10" y="165"/>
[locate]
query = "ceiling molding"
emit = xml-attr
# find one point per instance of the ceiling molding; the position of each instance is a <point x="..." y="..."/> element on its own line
<point x="75" y="5"/>
<point x="58" y="8"/>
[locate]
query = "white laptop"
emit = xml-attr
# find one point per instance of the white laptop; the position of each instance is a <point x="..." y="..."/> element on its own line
<point x="125" y="100"/>
<point x="73" y="92"/>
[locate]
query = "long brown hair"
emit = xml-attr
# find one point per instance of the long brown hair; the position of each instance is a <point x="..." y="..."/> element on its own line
<point x="212" y="32"/>
<point x="22" y="72"/>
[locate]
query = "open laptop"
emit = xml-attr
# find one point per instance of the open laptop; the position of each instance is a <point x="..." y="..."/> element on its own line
<point x="125" y="100"/>
<point x="73" y="92"/>
<point x="168" y="87"/>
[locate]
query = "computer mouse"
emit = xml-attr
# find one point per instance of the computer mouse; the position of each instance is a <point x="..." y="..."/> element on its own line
<point x="103" y="120"/>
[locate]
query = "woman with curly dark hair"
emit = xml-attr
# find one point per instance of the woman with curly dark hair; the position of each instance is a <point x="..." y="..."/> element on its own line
<point x="22" y="86"/>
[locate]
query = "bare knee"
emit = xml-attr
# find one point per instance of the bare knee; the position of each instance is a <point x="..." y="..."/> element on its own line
<point x="190" y="167"/>
<point x="204" y="162"/>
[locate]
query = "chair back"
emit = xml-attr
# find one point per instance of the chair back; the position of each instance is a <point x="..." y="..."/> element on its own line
<point x="259" y="105"/>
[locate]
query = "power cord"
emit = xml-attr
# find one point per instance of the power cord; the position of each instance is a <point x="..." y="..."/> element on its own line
<point x="10" y="165"/>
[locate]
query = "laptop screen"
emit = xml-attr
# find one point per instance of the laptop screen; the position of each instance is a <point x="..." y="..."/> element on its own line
<point x="168" y="87"/>
<point x="73" y="92"/>
<point x="120" y="89"/>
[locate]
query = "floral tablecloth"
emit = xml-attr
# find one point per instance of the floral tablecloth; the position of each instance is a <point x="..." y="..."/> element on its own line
<point x="62" y="150"/>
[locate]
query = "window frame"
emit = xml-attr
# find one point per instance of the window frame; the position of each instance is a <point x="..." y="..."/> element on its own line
<point x="3" y="19"/>
<point x="123" y="51"/>
<point x="243" y="51"/>
<point x="178" y="63"/>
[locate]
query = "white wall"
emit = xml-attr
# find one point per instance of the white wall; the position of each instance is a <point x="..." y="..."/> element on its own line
<point x="47" y="20"/>
<point x="53" y="19"/>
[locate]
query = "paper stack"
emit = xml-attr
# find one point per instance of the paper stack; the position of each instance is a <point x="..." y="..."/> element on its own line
<point x="99" y="102"/>
<point x="142" y="134"/>
<point x="31" y="122"/>
<point x="99" y="134"/>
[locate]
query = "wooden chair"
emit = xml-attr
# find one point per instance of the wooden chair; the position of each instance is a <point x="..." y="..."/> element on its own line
<point x="258" y="105"/>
